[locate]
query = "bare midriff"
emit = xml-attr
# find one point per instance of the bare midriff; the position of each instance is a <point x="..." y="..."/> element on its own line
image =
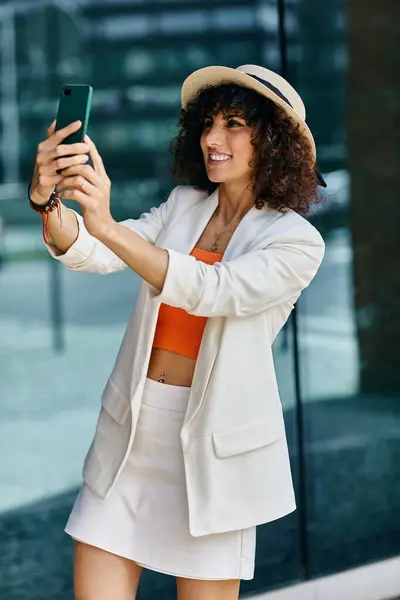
<point x="176" y="368"/>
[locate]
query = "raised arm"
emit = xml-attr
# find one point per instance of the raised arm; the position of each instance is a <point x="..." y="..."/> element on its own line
<point x="74" y="240"/>
<point x="88" y="253"/>
<point x="250" y="284"/>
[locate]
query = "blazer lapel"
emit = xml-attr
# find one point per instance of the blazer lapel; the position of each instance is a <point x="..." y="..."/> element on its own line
<point x="242" y="239"/>
<point x="183" y="234"/>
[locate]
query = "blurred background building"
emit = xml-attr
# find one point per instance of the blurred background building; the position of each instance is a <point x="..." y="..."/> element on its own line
<point x="338" y="358"/>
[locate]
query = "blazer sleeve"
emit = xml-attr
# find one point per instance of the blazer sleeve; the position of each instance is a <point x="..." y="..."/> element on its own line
<point x="250" y="284"/>
<point x="87" y="253"/>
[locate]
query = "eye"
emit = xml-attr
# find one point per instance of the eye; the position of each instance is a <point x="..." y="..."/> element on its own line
<point x="234" y="123"/>
<point x="207" y="123"/>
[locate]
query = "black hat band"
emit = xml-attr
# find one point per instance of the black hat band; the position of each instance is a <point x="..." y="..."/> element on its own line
<point x="272" y="88"/>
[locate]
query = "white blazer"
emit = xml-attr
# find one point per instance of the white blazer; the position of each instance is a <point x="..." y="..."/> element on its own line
<point x="233" y="435"/>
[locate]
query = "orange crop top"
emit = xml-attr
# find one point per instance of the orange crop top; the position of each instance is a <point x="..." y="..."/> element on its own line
<point x="177" y="330"/>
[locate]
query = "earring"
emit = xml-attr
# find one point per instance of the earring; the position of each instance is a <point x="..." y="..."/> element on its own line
<point x="162" y="375"/>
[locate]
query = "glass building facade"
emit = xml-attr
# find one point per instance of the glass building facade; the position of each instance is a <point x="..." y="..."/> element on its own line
<point x="338" y="357"/>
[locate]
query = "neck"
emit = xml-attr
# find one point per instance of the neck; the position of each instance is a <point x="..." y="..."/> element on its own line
<point x="234" y="201"/>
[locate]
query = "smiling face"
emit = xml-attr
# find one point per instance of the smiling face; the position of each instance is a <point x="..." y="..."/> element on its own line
<point x="215" y="144"/>
<point x="226" y="143"/>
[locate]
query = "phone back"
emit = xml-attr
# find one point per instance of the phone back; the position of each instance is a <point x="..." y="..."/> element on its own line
<point x="75" y="103"/>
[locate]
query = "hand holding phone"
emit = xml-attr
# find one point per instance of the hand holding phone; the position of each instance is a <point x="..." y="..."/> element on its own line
<point x="52" y="157"/>
<point x="64" y="146"/>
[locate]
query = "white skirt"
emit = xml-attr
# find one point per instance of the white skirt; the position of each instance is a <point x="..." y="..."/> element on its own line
<point x="146" y="518"/>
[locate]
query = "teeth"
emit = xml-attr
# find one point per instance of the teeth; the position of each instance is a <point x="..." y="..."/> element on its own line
<point x="219" y="157"/>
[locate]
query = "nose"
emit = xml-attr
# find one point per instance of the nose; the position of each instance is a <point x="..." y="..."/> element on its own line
<point x="215" y="136"/>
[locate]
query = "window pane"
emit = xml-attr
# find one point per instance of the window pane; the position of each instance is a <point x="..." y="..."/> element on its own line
<point x="349" y="333"/>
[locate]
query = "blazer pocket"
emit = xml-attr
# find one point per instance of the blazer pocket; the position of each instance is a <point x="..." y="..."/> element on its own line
<point x="115" y="403"/>
<point x="250" y="436"/>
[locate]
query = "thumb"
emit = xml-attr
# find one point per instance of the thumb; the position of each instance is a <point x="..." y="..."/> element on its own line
<point x="51" y="129"/>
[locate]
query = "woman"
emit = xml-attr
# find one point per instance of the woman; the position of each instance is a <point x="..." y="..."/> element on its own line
<point x="190" y="452"/>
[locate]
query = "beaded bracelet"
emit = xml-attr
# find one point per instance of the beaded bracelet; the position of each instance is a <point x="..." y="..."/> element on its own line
<point x="53" y="203"/>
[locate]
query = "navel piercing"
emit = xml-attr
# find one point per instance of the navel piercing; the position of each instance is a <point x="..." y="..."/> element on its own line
<point x="162" y="375"/>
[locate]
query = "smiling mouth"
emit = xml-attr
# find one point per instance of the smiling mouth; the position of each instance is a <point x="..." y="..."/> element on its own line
<point x="215" y="159"/>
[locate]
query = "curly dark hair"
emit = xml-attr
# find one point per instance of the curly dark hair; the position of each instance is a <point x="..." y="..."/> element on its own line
<point x="284" y="174"/>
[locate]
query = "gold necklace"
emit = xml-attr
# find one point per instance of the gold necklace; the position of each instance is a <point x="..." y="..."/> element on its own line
<point x="215" y="244"/>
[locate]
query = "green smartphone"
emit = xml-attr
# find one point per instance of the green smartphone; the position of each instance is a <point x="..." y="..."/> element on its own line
<point x="74" y="105"/>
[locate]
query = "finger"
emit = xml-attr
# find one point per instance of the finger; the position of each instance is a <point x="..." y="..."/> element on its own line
<point x="51" y="129"/>
<point x="76" y="195"/>
<point x="69" y="149"/>
<point x="84" y="171"/>
<point x="63" y="163"/>
<point x="80" y="184"/>
<point x="61" y="134"/>
<point x="48" y="156"/>
<point x="47" y="180"/>
<point x="95" y="156"/>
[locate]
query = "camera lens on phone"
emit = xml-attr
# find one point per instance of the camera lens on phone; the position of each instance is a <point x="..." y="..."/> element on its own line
<point x="67" y="92"/>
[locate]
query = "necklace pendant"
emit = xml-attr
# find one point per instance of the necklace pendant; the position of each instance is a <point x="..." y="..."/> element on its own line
<point x="215" y="245"/>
